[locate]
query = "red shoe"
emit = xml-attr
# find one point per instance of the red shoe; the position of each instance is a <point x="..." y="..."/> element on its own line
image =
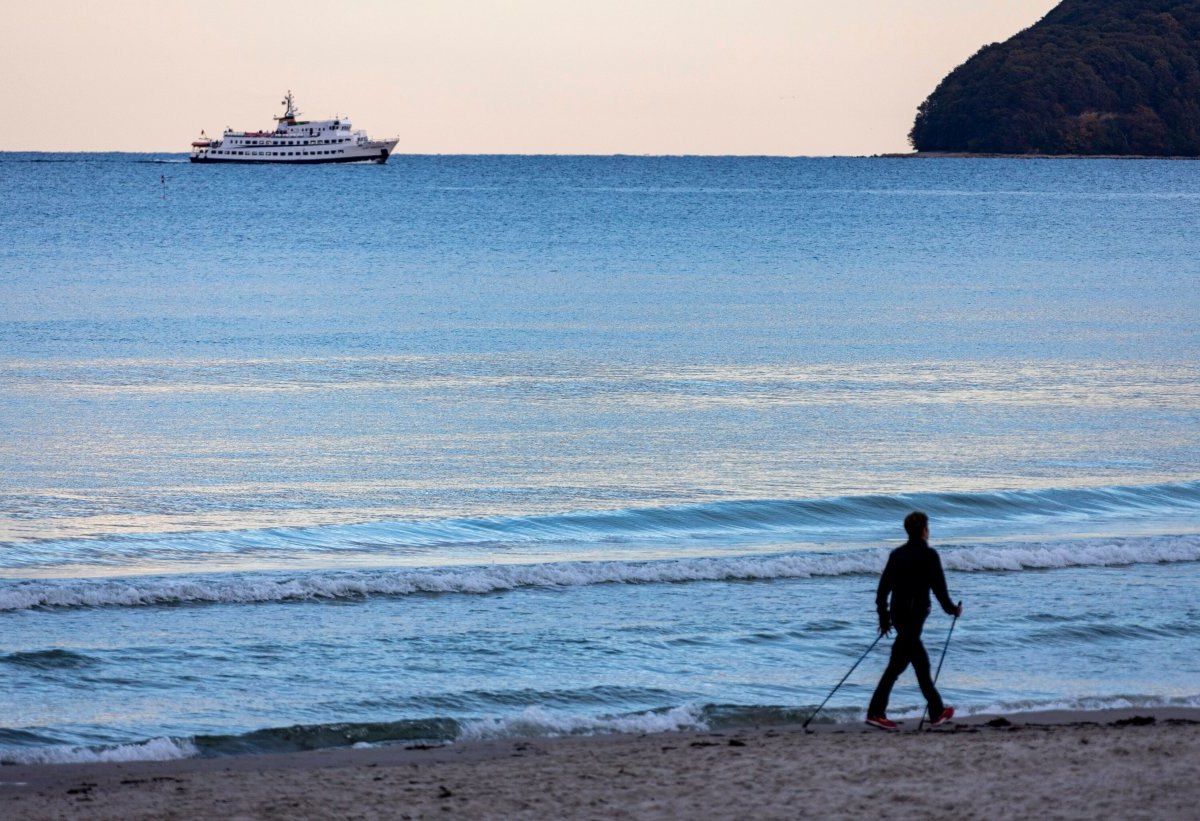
<point x="946" y="715"/>
<point x="882" y="722"/>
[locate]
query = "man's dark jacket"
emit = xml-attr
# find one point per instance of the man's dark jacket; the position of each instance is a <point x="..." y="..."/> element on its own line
<point x="913" y="569"/>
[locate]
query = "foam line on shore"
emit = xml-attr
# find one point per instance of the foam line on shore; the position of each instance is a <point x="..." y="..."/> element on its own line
<point x="538" y="722"/>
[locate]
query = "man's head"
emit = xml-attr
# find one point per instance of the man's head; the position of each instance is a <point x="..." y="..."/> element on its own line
<point x="916" y="525"/>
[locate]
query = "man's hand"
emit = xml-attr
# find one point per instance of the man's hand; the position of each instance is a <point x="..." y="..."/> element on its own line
<point x="885" y="627"/>
<point x="958" y="610"/>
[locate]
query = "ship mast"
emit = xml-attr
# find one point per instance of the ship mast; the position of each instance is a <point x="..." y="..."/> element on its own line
<point x="290" y="114"/>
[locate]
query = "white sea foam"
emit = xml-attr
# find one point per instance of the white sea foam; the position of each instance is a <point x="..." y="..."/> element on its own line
<point x="274" y="587"/>
<point x="1081" y="553"/>
<point x="156" y="749"/>
<point x="1088" y="703"/>
<point x="536" y="721"/>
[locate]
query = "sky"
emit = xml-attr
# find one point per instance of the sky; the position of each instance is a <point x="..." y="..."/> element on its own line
<point x="740" y="77"/>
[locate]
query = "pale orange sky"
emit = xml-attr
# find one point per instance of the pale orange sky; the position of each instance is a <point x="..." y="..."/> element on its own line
<point x="486" y="76"/>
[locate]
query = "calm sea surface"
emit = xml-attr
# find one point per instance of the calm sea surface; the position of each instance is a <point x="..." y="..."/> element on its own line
<point x="459" y="447"/>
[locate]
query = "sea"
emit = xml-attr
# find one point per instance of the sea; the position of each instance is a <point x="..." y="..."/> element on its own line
<point x="467" y="447"/>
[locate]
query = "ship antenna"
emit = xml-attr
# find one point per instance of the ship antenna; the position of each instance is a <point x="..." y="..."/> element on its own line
<point x="290" y="112"/>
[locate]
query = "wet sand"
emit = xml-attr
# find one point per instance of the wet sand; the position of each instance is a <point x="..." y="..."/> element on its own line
<point x="1108" y="764"/>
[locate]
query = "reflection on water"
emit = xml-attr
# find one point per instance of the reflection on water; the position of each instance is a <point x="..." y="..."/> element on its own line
<point x="162" y="446"/>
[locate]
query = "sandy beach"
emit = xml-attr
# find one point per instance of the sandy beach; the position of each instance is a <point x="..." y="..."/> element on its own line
<point x="1110" y="764"/>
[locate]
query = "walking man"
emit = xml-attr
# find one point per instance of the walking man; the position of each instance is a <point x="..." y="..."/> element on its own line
<point x="912" y="570"/>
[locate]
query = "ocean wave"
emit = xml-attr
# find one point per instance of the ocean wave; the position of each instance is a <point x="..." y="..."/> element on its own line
<point x="1083" y="703"/>
<point x="532" y="722"/>
<point x="1074" y="634"/>
<point x="484" y="700"/>
<point x="303" y="737"/>
<point x="48" y="659"/>
<point x="264" y="587"/>
<point x="155" y="749"/>
<point x="729" y="716"/>
<point x="811" y="521"/>
<point x="539" y="722"/>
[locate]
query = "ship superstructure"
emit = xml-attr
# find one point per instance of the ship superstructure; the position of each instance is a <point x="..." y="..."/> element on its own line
<point x="294" y="141"/>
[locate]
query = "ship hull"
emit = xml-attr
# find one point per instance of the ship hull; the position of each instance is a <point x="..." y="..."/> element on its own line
<point x="378" y="155"/>
<point x="379" y="159"/>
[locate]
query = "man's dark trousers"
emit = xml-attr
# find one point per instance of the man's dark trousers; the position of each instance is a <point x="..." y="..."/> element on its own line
<point x="906" y="650"/>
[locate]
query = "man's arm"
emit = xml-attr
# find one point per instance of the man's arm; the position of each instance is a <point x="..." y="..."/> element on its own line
<point x="881" y="597"/>
<point x="939" y="587"/>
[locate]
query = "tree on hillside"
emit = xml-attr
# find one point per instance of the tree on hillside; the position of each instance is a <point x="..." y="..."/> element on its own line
<point x="1092" y="77"/>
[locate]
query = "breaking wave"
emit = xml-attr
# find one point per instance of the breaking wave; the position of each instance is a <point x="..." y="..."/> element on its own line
<point x="262" y="587"/>
<point x="535" y="722"/>
<point x="155" y="749"/>
<point x="810" y="521"/>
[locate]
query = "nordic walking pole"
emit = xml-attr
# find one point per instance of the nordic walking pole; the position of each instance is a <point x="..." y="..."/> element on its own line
<point x="843" y="681"/>
<point x="945" y="647"/>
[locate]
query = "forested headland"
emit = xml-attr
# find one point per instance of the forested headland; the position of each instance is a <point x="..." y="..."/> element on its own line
<point x="1113" y="77"/>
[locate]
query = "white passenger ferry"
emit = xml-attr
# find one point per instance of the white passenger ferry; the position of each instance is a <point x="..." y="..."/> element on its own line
<point x="294" y="141"/>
